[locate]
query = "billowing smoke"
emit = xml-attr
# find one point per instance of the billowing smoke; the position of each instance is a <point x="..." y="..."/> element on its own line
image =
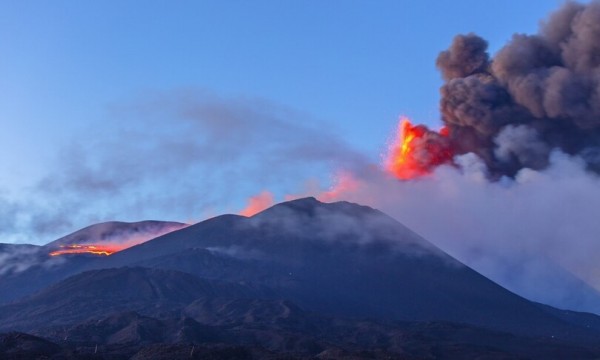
<point x="538" y="93"/>
<point x="536" y="234"/>
<point x="527" y="119"/>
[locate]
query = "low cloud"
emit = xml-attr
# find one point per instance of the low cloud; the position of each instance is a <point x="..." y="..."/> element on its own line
<point x="18" y="258"/>
<point x="536" y="234"/>
<point x="181" y="155"/>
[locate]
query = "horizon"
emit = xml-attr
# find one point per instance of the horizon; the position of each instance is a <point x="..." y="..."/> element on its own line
<point x="74" y="90"/>
<point x="267" y="179"/>
<point x="473" y="124"/>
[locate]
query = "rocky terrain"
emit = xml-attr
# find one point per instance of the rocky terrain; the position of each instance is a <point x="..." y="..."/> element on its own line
<point x="303" y="279"/>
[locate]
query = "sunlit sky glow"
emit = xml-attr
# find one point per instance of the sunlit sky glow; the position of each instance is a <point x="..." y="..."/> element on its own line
<point x="72" y="71"/>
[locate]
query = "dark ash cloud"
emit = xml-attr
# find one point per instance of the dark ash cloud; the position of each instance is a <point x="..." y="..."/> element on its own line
<point x="544" y="86"/>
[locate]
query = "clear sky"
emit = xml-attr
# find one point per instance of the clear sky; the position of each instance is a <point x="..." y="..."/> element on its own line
<point x="349" y="66"/>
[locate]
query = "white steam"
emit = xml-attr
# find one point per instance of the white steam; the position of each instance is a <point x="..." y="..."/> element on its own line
<point x="537" y="235"/>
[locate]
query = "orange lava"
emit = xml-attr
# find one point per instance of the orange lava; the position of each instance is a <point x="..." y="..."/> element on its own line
<point x="417" y="150"/>
<point x="258" y="203"/>
<point x="345" y="183"/>
<point x="100" y="250"/>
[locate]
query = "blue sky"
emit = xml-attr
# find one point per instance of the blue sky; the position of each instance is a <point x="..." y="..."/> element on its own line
<point x="349" y="66"/>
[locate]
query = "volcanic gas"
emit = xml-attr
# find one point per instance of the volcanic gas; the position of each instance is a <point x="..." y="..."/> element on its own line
<point x="417" y="150"/>
<point x="100" y="250"/>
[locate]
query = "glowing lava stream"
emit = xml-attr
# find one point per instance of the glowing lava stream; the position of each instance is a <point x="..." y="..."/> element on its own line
<point x="417" y="150"/>
<point x="85" y="249"/>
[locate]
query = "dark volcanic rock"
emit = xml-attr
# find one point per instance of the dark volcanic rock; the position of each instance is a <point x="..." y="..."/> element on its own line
<point x="301" y="279"/>
<point x="173" y="352"/>
<point x="100" y="292"/>
<point x="16" y="345"/>
<point x="343" y="259"/>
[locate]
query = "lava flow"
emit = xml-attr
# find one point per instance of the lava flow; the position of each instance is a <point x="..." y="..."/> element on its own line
<point x="417" y="150"/>
<point x="100" y="250"/>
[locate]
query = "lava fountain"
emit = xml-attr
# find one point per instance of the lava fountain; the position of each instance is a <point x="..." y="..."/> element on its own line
<point x="417" y="150"/>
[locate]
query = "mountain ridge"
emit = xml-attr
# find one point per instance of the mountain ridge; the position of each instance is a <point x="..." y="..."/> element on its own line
<point x="337" y="260"/>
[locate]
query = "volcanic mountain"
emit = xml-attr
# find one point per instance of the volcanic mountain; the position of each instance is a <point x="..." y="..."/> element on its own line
<point x="111" y="236"/>
<point x="340" y="259"/>
<point x="301" y="269"/>
<point x="25" y="269"/>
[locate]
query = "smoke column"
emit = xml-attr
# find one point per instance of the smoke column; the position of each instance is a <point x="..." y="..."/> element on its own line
<point x="509" y="185"/>
<point x="538" y="93"/>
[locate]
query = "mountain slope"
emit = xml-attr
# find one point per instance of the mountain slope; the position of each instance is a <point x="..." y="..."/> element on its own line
<point x="118" y="232"/>
<point x="25" y="269"/>
<point x="344" y="259"/>
<point x="100" y="292"/>
<point x="338" y="259"/>
<point x="282" y="328"/>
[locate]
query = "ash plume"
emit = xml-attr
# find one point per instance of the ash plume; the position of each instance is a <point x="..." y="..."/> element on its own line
<point x="528" y="119"/>
<point x="538" y="93"/>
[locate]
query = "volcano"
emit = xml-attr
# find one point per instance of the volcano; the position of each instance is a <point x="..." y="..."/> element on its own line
<point x="320" y="276"/>
<point x="110" y="237"/>
<point x="25" y="269"/>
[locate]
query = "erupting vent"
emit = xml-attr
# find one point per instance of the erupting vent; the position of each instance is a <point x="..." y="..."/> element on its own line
<point x="417" y="150"/>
